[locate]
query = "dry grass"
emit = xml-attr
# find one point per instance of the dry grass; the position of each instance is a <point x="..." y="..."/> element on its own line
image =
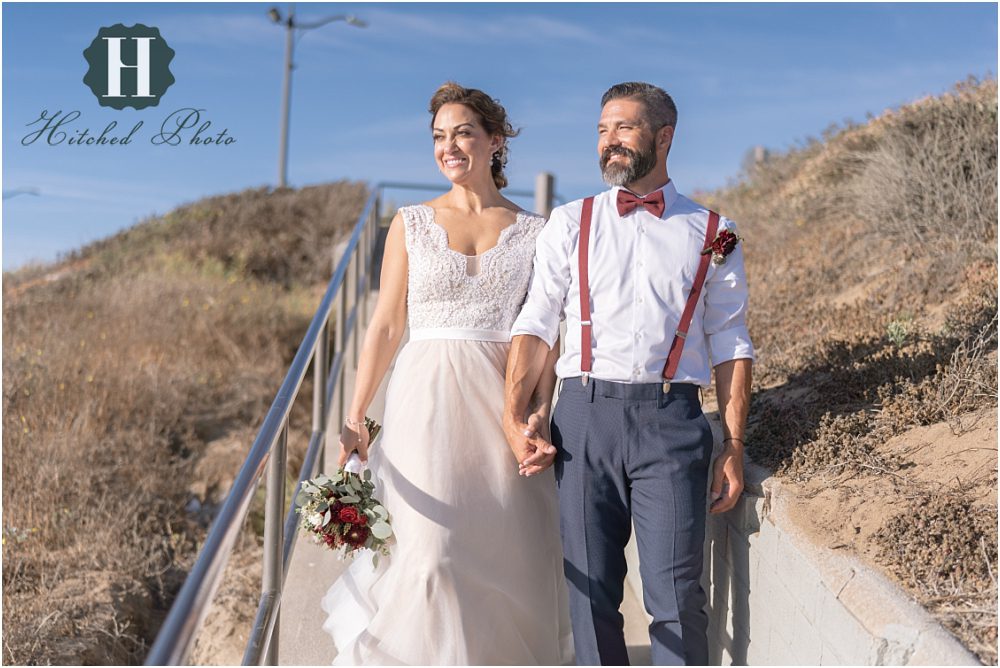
<point x="872" y="257"/>
<point x="931" y="179"/>
<point x="117" y="373"/>
<point x="944" y="549"/>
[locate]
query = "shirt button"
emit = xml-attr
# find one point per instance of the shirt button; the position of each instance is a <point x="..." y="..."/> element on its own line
<point x="638" y="335"/>
<point x="635" y="371"/>
<point x="641" y="263"/>
<point x="641" y="300"/>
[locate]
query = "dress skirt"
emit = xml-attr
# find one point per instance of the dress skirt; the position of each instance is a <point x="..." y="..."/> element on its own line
<point x="475" y="574"/>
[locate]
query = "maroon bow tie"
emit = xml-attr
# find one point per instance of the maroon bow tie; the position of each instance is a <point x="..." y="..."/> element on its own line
<point x="627" y="202"/>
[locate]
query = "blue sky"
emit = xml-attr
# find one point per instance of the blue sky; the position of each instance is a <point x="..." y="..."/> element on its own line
<point x="741" y="74"/>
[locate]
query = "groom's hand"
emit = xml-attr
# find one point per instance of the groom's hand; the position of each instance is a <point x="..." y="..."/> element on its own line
<point x="526" y="443"/>
<point x="727" y="479"/>
<point x="545" y="455"/>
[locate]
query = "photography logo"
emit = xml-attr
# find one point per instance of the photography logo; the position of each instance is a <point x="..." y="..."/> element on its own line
<point x="129" y="67"/>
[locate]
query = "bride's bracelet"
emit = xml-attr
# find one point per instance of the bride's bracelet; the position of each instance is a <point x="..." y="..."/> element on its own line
<point x="354" y="424"/>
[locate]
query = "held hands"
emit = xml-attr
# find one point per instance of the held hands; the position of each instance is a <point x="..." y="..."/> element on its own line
<point x="530" y="443"/>
<point x="353" y="436"/>
<point x="727" y="478"/>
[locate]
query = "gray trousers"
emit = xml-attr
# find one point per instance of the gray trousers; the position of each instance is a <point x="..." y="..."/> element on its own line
<point x="632" y="454"/>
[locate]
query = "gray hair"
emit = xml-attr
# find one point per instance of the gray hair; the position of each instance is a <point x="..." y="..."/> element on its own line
<point x="660" y="107"/>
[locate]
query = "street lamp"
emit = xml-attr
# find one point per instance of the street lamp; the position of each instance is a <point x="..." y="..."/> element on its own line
<point x="290" y="27"/>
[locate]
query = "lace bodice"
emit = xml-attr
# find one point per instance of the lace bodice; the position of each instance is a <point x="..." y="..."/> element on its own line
<point x="450" y="290"/>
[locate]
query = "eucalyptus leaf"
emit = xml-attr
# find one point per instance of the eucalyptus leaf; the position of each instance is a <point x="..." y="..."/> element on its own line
<point x="368" y="474"/>
<point x="381" y="530"/>
<point x="375" y="560"/>
<point x="350" y="499"/>
<point x="381" y="512"/>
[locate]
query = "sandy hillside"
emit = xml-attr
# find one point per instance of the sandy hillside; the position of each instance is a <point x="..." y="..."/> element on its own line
<point x="872" y="261"/>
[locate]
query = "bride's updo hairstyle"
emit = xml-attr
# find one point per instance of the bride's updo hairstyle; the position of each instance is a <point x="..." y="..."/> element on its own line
<point x="491" y="114"/>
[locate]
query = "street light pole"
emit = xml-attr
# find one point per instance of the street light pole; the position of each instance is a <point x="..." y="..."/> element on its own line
<point x="286" y="90"/>
<point x="286" y="97"/>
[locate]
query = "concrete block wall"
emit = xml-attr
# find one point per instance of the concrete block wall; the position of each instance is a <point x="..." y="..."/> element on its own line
<point x="776" y="598"/>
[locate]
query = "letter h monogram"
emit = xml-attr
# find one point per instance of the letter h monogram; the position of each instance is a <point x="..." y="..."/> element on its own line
<point x="115" y="66"/>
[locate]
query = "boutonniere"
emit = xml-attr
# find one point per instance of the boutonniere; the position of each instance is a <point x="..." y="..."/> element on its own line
<point x="724" y="244"/>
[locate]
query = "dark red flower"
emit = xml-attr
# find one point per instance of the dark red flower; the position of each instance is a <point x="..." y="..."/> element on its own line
<point x="362" y="520"/>
<point x="357" y="536"/>
<point x="348" y="515"/>
<point x="724" y="244"/>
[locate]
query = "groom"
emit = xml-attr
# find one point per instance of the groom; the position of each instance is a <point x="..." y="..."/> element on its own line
<point x="648" y="315"/>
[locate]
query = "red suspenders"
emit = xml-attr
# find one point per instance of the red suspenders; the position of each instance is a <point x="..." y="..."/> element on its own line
<point x="677" y="346"/>
<point x="585" y="346"/>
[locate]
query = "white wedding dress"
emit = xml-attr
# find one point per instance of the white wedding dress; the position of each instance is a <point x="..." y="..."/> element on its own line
<point x="475" y="575"/>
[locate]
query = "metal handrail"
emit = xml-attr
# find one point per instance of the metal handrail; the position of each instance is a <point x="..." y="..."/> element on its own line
<point x="179" y="631"/>
<point x="556" y="198"/>
<point x="437" y="187"/>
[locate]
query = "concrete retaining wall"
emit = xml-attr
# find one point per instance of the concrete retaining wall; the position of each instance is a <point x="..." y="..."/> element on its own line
<point x="775" y="598"/>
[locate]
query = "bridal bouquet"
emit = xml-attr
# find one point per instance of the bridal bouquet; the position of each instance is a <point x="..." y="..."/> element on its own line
<point x="342" y="511"/>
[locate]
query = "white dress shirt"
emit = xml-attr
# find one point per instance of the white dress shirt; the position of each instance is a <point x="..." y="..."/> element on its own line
<point x="641" y="272"/>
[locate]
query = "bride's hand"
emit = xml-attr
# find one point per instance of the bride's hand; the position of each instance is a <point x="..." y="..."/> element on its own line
<point x="353" y="436"/>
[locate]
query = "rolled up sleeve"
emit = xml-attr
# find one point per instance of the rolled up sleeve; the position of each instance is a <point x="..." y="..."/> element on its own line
<point x="726" y="301"/>
<point x="544" y="304"/>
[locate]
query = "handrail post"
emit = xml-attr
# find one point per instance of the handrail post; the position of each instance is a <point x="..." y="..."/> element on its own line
<point x="365" y="268"/>
<point x="373" y="232"/>
<point x="342" y="345"/>
<point x="545" y="191"/>
<point x="358" y="314"/>
<point x="274" y="521"/>
<point x="350" y="299"/>
<point x="320" y="366"/>
<point x="366" y="245"/>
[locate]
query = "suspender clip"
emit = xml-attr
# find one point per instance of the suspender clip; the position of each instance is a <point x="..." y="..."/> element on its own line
<point x="585" y="378"/>
<point x="666" y="386"/>
<point x="585" y="323"/>
<point x="681" y="334"/>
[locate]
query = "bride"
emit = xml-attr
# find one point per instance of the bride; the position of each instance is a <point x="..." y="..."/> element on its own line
<point x="475" y="574"/>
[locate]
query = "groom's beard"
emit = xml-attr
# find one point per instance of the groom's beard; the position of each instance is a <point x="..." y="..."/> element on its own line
<point x="639" y="164"/>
